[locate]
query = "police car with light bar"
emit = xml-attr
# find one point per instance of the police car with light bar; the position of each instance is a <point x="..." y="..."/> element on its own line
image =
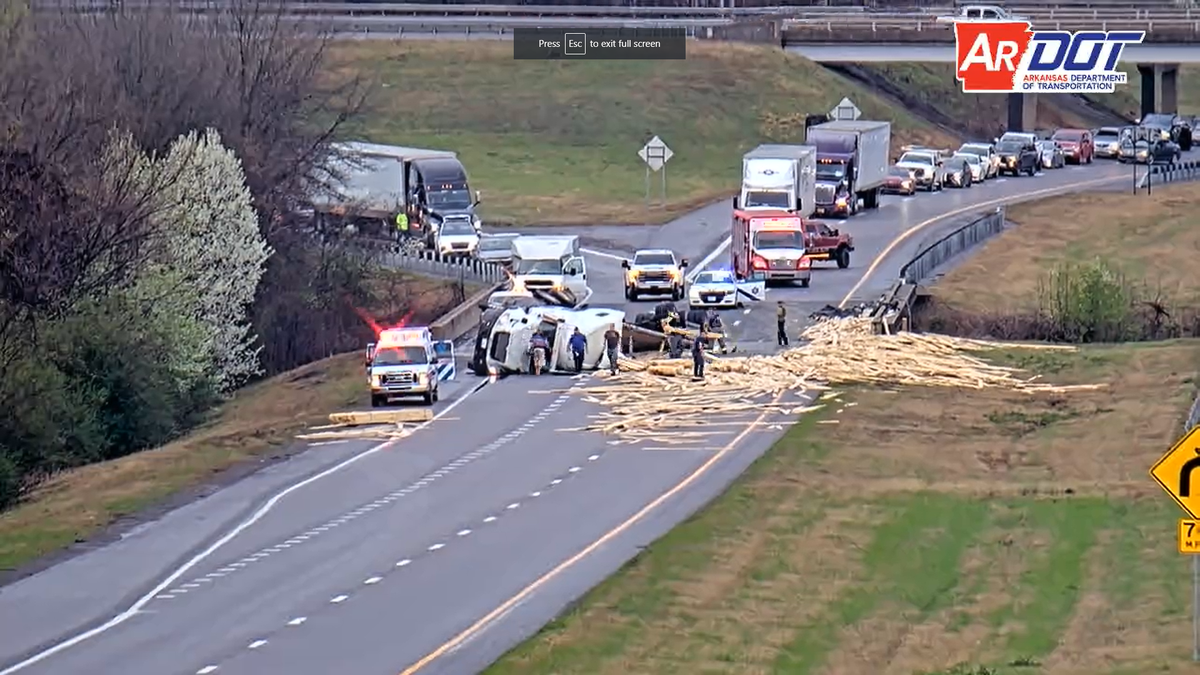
<point x="407" y="362"/>
<point x="722" y="289"/>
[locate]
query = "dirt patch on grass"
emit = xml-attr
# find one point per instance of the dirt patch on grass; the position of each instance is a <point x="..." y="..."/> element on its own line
<point x="254" y="427"/>
<point x="1154" y="239"/>
<point x="556" y="142"/>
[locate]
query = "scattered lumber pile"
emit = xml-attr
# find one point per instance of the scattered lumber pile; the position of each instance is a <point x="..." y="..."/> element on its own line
<point x="657" y="399"/>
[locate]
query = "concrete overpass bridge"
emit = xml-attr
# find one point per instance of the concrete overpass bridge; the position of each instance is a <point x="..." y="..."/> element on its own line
<point x="1172" y="38"/>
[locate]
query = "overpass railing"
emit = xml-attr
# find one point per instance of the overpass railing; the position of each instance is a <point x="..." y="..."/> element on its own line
<point x="926" y="30"/>
<point x="1064" y="9"/>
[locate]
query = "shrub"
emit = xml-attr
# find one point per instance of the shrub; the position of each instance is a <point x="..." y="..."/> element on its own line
<point x="1089" y="302"/>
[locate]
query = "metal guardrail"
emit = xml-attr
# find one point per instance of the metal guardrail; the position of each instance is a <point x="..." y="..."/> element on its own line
<point x="1170" y="173"/>
<point x="430" y="263"/>
<point x="934" y="255"/>
<point x="1094" y="10"/>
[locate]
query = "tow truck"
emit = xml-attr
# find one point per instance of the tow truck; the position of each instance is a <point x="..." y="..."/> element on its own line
<point x="654" y="271"/>
<point x="407" y="362"/>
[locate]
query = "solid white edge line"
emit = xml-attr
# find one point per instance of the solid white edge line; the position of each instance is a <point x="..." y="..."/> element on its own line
<point x="602" y="254"/>
<point x="183" y="569"/>
<point x="699" y="267"/>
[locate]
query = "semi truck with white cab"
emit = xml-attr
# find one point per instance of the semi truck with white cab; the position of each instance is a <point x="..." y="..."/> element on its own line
<point x="852" y="164"/>
<point x="407" y="362"/>
<point x="654" y="271"/>
<point x="508" y="344"/>
<point x="779" y="178"/>
<point x="550" y="262"/>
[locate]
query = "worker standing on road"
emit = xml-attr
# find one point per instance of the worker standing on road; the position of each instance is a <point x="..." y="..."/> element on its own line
<point x="538" y="346"/>
<point x="612" y="344"/>
<point x="713" y="320"/>
<point x="781" y="320"/>
<point x="578" y="345"/>
<point x="401" y="226"/>
<point x="698" y="358"/>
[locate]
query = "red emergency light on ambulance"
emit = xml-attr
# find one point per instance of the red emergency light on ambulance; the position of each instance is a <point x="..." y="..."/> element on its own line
<point x="769" y="246"/>
<point x="408" y="362"/>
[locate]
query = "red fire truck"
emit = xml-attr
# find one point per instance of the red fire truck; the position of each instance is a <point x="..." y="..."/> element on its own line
<point x="770" y="245"/>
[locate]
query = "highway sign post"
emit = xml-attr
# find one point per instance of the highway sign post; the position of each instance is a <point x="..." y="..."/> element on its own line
<point x="656" y="154"/>
<point x="845" y="110"/>
<point x="1177" y="473"/>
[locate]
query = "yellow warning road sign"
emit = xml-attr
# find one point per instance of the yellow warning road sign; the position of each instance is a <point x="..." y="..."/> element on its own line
<point x="1177" y="472"/>
<point x="1189" y="536"/>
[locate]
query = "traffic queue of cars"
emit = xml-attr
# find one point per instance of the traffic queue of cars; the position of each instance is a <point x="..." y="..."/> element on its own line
<point x="927" y="169"/>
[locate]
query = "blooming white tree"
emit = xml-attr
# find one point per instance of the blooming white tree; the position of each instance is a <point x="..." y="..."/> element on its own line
<point x="209" y="263"/>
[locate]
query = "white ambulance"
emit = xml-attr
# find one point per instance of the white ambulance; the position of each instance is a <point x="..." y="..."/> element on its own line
<point x="408" y="362"/>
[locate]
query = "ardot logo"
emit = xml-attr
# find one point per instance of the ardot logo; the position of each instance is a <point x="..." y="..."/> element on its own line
<point x="1005" y="56"/>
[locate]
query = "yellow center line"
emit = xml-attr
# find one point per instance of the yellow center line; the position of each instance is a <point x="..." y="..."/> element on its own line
<point x="1012" y="199"/>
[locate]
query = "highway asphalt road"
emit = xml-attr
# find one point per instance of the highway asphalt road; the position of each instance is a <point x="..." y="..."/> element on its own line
<point x="457" y="541"/>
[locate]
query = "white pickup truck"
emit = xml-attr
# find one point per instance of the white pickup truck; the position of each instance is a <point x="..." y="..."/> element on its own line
<point x="652" y="271"/>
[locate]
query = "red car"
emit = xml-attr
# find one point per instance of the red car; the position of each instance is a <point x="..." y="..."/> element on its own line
<point x="1077" y="144"/>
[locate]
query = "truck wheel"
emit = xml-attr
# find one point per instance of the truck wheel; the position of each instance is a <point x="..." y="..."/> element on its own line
<point x="378" y="401"/>
<point x="843" y="257"/>
<point x="429" y="397"/>
<point x="804" y="282"/>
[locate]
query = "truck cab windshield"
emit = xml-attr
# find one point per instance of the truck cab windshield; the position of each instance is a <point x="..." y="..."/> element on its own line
<point x="400" y="356"/>
<point x="522" y="266"/>
<point x="449" y="199"/>
<point x="653" y="259"/>
<point x="832" y="173"/>
<point x="778" y="239"/>
<point x="770" y="200"/>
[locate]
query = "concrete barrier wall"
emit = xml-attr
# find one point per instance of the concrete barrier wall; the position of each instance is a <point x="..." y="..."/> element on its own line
<point x="462" y="319"/>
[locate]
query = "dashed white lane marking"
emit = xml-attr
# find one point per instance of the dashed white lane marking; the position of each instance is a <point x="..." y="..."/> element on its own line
<point x="372" y="581"/>
<point x="206" y="670"/>
<point x="369" y="507"/>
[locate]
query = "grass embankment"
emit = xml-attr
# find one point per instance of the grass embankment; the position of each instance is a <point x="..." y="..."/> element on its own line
<point x="1153" y="239"/>
<point x="934" y="530"/>
<point x="259" y="421"/>
<point x="931" y="90"/>
<point x="557" y="142"/>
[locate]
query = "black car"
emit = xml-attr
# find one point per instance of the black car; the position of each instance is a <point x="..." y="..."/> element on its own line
<point x="1017" y="157"/>
<point x="1170" y="128"/>
<point x="1149" y="151"/>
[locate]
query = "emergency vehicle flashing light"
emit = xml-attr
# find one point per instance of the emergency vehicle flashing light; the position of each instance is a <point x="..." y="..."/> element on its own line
<point x="790" y="223"/>
<point x="402" y="337"/>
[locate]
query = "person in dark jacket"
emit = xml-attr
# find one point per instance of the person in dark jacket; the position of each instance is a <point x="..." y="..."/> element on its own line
<point x="781" y="320"/>
<point x="698" y="358"/>
<point x="612" y="344"/>
<point x="578" y="345"/>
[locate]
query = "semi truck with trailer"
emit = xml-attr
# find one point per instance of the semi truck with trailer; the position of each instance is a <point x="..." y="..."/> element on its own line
<point x="852" y="164"/>
<point x="377" y="182"/>
<point x="779" y="178"/>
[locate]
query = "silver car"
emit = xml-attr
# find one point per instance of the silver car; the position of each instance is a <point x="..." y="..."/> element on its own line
<point x="1053" y="156"/>
<point x="496" y="247"/>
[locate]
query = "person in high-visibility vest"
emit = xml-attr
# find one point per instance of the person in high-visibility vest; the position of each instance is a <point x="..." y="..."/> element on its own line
<point x="402" y="225"/>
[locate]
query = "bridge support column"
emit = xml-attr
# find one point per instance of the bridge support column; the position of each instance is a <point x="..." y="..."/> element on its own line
<point x="1147" y="74"/>
<point x="1168" y="91"/>
<point x="1022" y="111"/>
